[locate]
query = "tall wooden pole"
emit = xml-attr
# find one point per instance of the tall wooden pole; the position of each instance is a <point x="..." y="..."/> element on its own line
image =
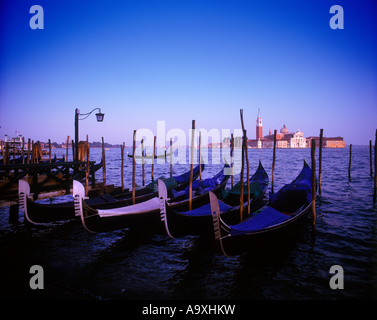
<point x="49" y="150"/>
<point x="273" y="164"/>
<point x="66" y="150"/>
<point x="14" y="151"/>
<point x="247" y="173"/>
<point x="133" y="167"/>
<point x="32" y="160"/>
<point x="153" y="154"/>
<point x="73" y="150"/>
<point x="22" y="150"/>
<point x="371" y="157"/>
<point x="313" y="178"/>
<point x="87" y="166"/>
<point x="375" y="170"/>
<point x="200" y="156"/>
<point x="103" y="162"/>
<point x="231" y="157"/>
<point x="241" y="177"/>
<point x="143" y="161"/>
<point x="191" y="164"/>
<point x="349" y="164"/>
<point x="171" y="157"/>
<point x="28" y="150"/>
<point x="247" y="162"/>
<point x="320" y="162"/>
<point x="122" y="166"/>
<point x="2" y="151"/>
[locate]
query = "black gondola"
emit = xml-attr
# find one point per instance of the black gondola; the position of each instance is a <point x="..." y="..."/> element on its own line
<point x="199" y="220"/>
<point x="144" y="215"/>
<point x="39" y="213"/>
<point x="271" y="225"/>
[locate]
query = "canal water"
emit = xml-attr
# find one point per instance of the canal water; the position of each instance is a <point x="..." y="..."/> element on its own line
<point x="131" y="265"/>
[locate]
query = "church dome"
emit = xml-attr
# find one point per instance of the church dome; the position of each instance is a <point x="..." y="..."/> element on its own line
<point x="284" y="130"/>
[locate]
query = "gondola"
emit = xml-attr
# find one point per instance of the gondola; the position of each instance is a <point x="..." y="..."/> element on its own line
<point x="271" y="225"/>
<point x="144" y="215"/>
<point x="199" y="220"/>
<point x="39" y="213"/>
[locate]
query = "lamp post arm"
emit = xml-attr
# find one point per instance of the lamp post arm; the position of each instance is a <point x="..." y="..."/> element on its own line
<point x="87" y="114"/>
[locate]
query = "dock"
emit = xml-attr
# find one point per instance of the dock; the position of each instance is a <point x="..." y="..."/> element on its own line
<point x="46" y="180"/>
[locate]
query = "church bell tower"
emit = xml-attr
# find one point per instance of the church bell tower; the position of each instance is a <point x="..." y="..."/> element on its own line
<point x="259" y="126"/>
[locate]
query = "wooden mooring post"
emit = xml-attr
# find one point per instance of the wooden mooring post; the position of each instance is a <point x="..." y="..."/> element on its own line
<point x="133" y="167"/>
<point x="171" y="157"/>
<point x="143" y="162"/>
<point x="349" y="163"/>
<point x="371" y="157"/>
<point x="200" y="155"/>
<point x="103" y="162"/>
<point x="28" y="151"/>
<point x="122" y="165"/>
<point x="66" y="149"/>
<point x="273" y="164"/>
<point x="313" y="181"/>
<point x="247" y="162"/>
<point x="191" y="163"/>
<point x="22" y="150"/>
<point x="320" y="162"/>
<point x="73" y="150"/>
<point x="153" y="155"/>
<point x="375" y="170"/>
<point x="231" y="157"/>
<point x="87" y="166"/>
<point x="49" y="150"/>
<point x="241" y="176"/>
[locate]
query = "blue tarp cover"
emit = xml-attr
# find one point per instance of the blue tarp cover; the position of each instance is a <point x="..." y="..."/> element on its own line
<point x="206" y="210"/>
<point x="266" y="218"/>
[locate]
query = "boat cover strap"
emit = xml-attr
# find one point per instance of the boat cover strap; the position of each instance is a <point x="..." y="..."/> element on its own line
<point x="266" y="218"/>
<point x="146" y="206"/>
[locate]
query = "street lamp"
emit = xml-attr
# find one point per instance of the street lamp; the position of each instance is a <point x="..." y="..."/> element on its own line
<point x="99" y="116"/>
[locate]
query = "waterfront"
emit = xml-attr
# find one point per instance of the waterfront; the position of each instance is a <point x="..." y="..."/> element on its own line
<point x="129" y="265"/>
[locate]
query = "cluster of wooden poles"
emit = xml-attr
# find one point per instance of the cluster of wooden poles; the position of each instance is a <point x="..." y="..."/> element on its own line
<point x="153" y="157"/>
<point x="371" y="165"/>
<point x="34" y="152"/>
<point x="244" y="156"/>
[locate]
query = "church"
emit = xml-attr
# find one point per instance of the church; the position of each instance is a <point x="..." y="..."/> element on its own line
<point x="287" y="139"/>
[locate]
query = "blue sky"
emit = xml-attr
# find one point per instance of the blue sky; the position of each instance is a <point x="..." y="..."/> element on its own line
<point x="150" y="60"/>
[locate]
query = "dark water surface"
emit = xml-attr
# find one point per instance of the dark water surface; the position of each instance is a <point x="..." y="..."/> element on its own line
<point x="131" y="265"/>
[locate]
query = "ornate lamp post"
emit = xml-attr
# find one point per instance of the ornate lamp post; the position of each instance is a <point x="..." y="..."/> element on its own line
<point x="99" y="116"/>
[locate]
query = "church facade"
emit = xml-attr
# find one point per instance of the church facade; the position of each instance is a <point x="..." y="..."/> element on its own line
<point x="287" y="139"/>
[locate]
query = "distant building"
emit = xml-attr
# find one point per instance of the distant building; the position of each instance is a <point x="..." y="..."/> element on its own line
<point x="327" y="142"/>
<point x="286" y="139"/>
